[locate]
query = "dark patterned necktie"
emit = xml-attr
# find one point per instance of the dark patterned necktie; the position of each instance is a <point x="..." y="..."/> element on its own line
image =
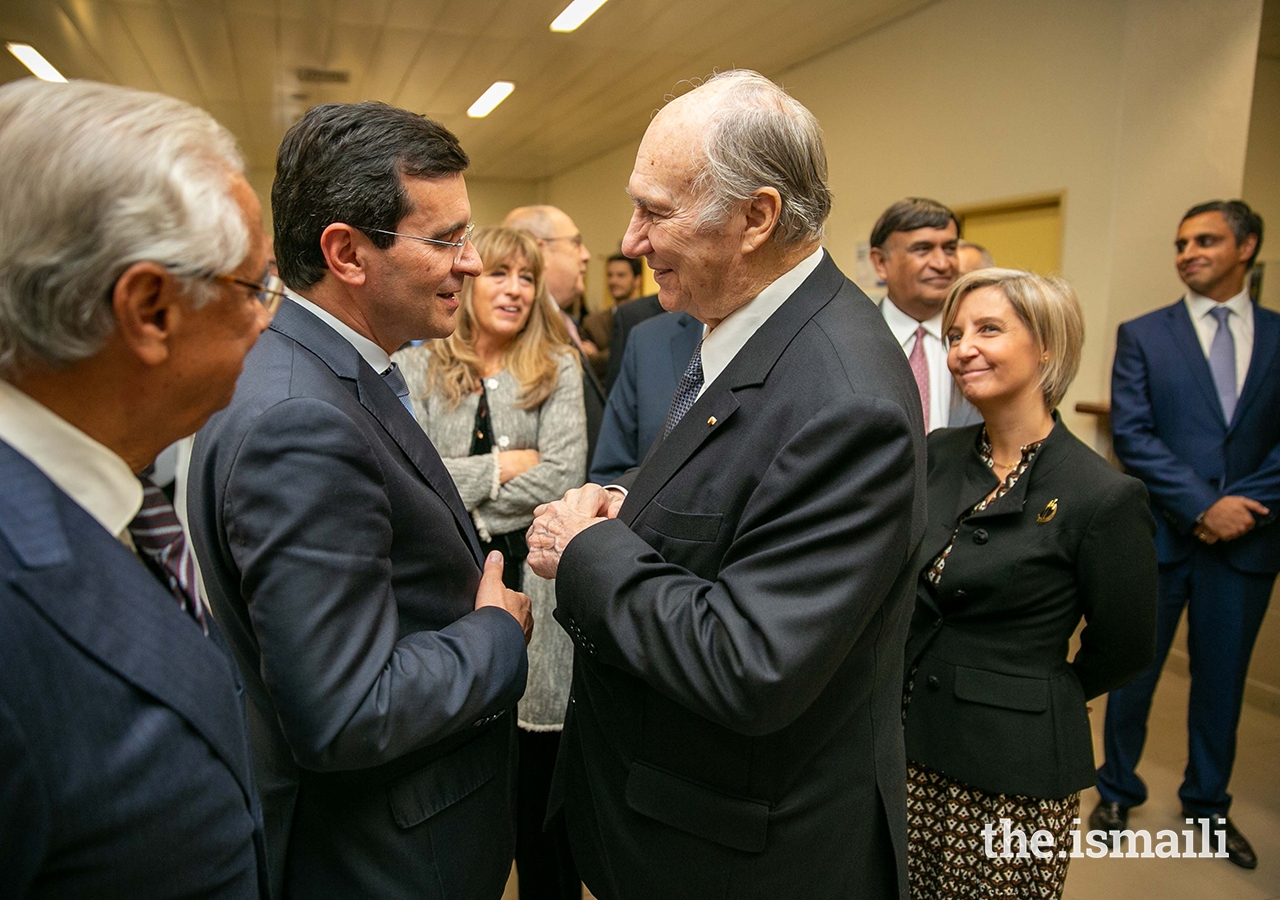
<point x="395" y="381"/>
<point x="686" y="391"/>
<point x="158" y="534"/>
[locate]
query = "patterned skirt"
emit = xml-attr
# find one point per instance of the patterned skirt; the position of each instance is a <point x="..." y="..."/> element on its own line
<point x="947" y="854"/>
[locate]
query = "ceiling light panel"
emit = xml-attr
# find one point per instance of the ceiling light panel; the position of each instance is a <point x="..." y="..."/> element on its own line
<point x="497" y="92"/>
<point x="575" y="14"/>
<point x="40" y="67"/>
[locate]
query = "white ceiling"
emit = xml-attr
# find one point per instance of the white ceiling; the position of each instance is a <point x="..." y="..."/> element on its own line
<point x="577" y="95"/>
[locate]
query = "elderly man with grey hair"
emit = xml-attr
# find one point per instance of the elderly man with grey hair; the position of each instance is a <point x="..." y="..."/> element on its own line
<point x="734" y="728"/>
<point x="132" y="284"/>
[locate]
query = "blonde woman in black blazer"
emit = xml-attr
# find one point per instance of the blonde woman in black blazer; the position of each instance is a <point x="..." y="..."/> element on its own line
<point x="1029" y="531"/>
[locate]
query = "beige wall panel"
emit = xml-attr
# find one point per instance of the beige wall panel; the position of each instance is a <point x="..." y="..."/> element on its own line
<point x="104" y="31"/>
<point x="207" y="41"/>
<point x="493" y="198"/>
<point x="156" y="35"/>
<point x="1262" y="178"/>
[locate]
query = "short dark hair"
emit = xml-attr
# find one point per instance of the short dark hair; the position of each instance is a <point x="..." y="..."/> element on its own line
<point x="909" y="214"/>
<point x="1241" y="219"/>
<point x="343" y="162"/>
<point x="619" y="257"/>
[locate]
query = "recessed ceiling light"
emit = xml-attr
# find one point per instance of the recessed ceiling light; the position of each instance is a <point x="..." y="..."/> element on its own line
<point x="40" y="67"/>
<point x="498" y="91"/>
<point x="575" y="14"/>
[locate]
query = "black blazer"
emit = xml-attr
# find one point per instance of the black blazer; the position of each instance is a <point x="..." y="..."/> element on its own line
<point x="996" y="704"/>
<point x="343" y="566"/>
<point x="735" y="722"/>
<point x="124" y="756"/>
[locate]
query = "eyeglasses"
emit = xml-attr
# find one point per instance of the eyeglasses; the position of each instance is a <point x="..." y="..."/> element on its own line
<point x="459" y="246"/>
<point x="269" y="292"/>
<point x="575" y="239"/>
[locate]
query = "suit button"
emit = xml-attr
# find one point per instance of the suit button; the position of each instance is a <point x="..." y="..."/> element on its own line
<point x="937" y="623"/>
<point x="933" y="683"/>
<point x="959" y="592"/>
<point x="980" y="536"/>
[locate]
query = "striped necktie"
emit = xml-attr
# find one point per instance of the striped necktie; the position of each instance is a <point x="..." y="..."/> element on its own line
<point x="395" y="380"/>
<point x="158" y="535"/>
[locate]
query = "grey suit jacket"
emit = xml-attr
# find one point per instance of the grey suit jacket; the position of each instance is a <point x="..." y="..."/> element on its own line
<point x="124" y="756"/>
<point x="736" y="711"/>
<point x="339" y="558"/>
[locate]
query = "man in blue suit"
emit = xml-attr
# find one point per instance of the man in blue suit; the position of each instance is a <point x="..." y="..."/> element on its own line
<point x="1194" y="394"/>
<point x="132" y="284"/>
<point x="656" y="355"/>
<point x="380" y="650"/>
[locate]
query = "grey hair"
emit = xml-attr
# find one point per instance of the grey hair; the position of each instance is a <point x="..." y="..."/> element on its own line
<point x="96" y="178"/>
<point x="760" y="136"/>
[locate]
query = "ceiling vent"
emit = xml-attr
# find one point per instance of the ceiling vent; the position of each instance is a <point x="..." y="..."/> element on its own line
<point x="323" y="76"/>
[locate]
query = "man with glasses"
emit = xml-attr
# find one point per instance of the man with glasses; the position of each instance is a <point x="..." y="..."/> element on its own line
<point x="381" y="652"/>
<point x="124" y="764"/>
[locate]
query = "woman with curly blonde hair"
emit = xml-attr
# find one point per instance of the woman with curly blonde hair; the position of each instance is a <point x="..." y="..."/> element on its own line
<point x="501" y="399"/>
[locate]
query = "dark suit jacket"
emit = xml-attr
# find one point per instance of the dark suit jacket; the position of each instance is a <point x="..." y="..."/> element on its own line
<point x="124" y="756"/>
<point x="1168" y="430"/>
<point x="657" y="354"/>
<point x="343" y="566"/>
<point x="735" y="726"/>
<point x="626" y="317"/>
<point x="995" y="703"/>
<point x="594" y="399"/>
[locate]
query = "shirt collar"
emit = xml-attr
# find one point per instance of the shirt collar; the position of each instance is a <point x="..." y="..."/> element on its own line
<point x="377" y="358"/>
<point x="722" y="343"/>
<point x="904" y="327"/>
<point x="1201" y="306"/>
<point x="88" y="472"/>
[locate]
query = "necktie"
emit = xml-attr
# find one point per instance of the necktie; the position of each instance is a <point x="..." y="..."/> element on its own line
<point x="158" y="535"/>
<point x="920" y="369"/>
<point x="396" y="382"/>
<point x="686" y="391"/>
<point x="1222" y="363"/>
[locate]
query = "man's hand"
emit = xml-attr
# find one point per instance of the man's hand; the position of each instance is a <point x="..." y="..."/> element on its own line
<point x="493" y="592"/>
<point x="1229" y="518"/>
<point x="556" y="524"/>
<point x="512" y="463"/>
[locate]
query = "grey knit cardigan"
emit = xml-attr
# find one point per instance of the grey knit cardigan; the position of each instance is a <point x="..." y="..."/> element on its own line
<point x="558" y="431"/>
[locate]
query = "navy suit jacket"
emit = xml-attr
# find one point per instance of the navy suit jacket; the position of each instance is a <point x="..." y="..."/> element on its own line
<point x="124" y="756"/>
<point x="1168" y="429"/>
<point x="340" y="559"/>
<point x="658" y="352"/>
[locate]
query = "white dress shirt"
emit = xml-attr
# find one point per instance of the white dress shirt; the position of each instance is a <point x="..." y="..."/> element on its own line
<point x="935" y="357"/>
<point x="377" y="358"/>
<point x="88" y="472"/>
<point x="1239" y="323"/>
<point x="722" y="343"/>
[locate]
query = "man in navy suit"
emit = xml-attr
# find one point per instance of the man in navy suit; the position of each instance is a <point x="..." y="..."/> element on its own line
<point x="381" y="651"/>
<point x="656" y="356"/>
<point x="1194" y="394"/>
<point x="132" y="283"/>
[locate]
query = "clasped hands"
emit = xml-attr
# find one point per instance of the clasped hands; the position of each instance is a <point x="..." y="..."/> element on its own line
<point x="555" y="524"/>
<point x="1229" y="518"/>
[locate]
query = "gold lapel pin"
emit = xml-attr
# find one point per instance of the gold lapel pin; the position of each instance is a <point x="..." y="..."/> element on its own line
<point x="1050" y="510"/>
<point x="711" y="421"/>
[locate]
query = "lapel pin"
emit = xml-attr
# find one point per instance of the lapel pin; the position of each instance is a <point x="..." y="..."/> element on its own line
<point x="711" y="421"/>
<point x="1050" y="510"/>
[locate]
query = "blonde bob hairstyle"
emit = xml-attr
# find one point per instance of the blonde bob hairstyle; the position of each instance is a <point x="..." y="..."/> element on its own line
<point x="1048" y="306"/>
<point x="532" y="356"/>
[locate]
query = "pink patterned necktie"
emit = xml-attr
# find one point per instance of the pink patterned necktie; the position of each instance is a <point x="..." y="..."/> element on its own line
<point x="920" y="369"/>
<point x="158" y="534"/>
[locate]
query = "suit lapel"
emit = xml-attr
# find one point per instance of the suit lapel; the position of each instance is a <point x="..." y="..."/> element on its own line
<point x="1188" y="344"/>
<point x="749" y="367"/>
<point x="683" y="343"/>
<point x="103" y="599"/>
<point x="381" y="402"/>
<point x="1266" y="338"/>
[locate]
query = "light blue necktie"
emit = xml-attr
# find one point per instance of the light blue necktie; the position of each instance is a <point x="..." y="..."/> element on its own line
<point x="396" y="382"/>
<point x="1222" y="363"/>
<point x="686" y="392"/>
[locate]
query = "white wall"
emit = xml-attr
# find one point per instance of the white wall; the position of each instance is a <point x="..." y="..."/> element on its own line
<point x="1133" y="110"/>
<point x="1262" y="172"/>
